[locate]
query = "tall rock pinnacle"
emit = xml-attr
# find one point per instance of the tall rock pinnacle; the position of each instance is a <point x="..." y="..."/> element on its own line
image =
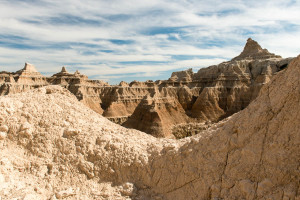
<point x="63" y="70"/>
<point x="253" y="50"/>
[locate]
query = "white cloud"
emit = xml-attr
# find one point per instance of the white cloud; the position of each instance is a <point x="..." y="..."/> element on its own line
<point x="196" y="63"/>
<point x="162" y="31"/>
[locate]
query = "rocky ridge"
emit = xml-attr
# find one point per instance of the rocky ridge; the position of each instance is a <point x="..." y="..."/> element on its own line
<point x="23" y="80"/>
<point x="68" y="151"/>
<point x="211" y="94"/>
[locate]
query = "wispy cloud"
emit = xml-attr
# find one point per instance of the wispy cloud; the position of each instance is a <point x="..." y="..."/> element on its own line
<point x="126" y="40"/>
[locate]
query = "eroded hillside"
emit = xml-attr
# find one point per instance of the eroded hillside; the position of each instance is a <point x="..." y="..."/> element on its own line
<point x="66" y="150"/>
<point x="187" y="98"/>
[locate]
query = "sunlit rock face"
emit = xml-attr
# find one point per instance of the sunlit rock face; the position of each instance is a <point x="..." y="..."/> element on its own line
<point x="230" y="86"/>
<point x="253" y="50"/>
<point x="209" y="95"/>
<point x="87" y="91"/>
<point x="22" y="80"/>
<point x="186" y="75"/>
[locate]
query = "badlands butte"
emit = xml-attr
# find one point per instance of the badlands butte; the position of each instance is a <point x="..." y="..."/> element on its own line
<point x="181" y="106"/>
<point x="244" y="113"/>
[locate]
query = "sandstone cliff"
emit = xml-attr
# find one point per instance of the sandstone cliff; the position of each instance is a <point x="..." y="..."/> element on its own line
<point x="52" y="146"/>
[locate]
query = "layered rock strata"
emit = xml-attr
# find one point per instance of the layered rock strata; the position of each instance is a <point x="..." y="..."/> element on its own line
<point x="186" y="76"/>
<point x="157" y="115"/>
<point x="84" y="89"/>
<point x="22" y="80"/>
<point x="231" y="86"/>
<point x="211" y="94"/>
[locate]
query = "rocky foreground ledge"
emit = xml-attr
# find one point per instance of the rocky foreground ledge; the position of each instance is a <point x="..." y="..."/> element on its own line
<point x="157" y="108"/>
<point x="54" y="147"/>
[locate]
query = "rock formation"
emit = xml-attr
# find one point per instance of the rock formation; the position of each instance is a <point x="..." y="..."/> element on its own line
<point x="211" y="94"/>
<point x="54" y="147"/>
<point x="157" y="115"/>
<point x="84" y="89"/>
<point x="230" y="86"/>
<point x="253" y="50"/>
<point x="186" y="75"/>
<point x="22" y="80"/>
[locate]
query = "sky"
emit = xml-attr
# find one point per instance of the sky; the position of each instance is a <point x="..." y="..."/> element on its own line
<point x="140" y="40"/>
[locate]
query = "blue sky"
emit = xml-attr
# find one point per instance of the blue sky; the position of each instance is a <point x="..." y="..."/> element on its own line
<point x="137" y="39"/>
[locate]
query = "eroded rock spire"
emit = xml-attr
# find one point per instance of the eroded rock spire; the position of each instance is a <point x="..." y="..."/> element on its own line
<point x="63" y="70"/>
<point x="253" y="50"/>
<point x="29" y="68"/>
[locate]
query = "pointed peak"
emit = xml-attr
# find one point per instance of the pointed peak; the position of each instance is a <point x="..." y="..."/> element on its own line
<point x="253" y="50"/>
<point x="76" y="72"/>
<point x="29" y="68"/>
<point x="123" y="84"/>
<point x="252" y="46"/>
<point x="63" y="69"/>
